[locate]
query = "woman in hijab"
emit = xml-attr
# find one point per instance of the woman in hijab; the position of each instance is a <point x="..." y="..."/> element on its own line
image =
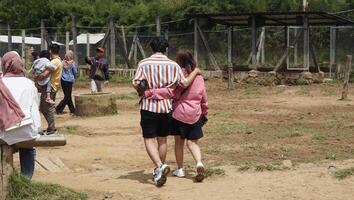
<point x="67" y="81"/>
<point x="20" y="119"/>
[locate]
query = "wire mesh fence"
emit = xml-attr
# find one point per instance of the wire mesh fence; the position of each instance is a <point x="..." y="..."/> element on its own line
<point x="181" y="34"/>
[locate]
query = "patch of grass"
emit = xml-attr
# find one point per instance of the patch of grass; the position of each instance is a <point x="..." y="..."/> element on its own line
<point x="344" y="173"/>
<point x="265" y="167"/>
<point x="320" y="136"/>
<point x="22" y="188"/>
<point x="252" y="91"/>
<point x="331" y="156"/>
<point x="227" y="128"/>
<point x="244" y="168"/>
<point x="328" y="91"/>
<point x="71" y="129"/>
<point x="290" y="133"/>
<point x="303" y="91"/>
<point x="209" y="172"/>
<point x="84" y="78"/>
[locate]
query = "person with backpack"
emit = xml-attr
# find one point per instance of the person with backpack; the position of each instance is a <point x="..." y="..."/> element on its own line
<point x="67" y="80"/>
<point x="99" y="73"/>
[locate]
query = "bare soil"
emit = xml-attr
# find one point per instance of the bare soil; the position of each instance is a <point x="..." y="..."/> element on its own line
<point x="251" y="131"/>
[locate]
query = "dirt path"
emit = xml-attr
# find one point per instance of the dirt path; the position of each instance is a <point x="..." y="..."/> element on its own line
<point x="105" y="156"/>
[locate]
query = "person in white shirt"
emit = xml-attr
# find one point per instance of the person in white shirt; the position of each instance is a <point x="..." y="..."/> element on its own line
<point x="25" y="93"/>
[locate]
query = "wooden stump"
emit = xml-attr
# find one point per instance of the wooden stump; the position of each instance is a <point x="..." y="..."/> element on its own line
<point x="97" y="104"/>
<point x="6" y="168"/>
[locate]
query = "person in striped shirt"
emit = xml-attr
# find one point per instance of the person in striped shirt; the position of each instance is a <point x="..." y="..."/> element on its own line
<point x="159" y="72"/>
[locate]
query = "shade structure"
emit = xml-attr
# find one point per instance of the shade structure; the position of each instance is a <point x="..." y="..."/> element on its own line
<point x="275" y="18"/>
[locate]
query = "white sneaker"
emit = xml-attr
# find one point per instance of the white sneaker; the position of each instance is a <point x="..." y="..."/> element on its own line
<point x="160" y="175"/>
<point x="200" y="172"/>
<point x="179" y="173"/>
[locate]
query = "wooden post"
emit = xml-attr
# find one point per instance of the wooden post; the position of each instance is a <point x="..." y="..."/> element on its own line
<point x="263" y="46"/>
<point x="306" y="44"/>
<point x="6" y="167"/>
<point x="260" y="45"/>
<point x="55" y="36"/>
<point x="196" y="40"/>
<point x="136" y="51"/>
<point x="88" y="44"/>
<point x="287" y="44"/>
<point x="124" y="41"/>
<point x="158" y="26"/>
<point x="43" y="42"/>
<point x="207" y="48"/>
<point x="67" y="39"/>
<point x="140" y="48"/>
<point x="23" y="45"/>
<point x="229" y="58"/>
<point x="9" y="38"/>
<point x="131" y="52"/>
<point x="332" y="49"/>
<point x="74" y="33"/>
<point x="346" y="78"/>
<point x="295" y="48"/>
<point x="166" y="37"/>
<point x="254" y="42"/>
<point x="113" y="44"/>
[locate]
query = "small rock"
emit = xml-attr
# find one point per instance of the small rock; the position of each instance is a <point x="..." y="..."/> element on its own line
<point x="331" y="169"/>
<point x="249" y="132"/>
<point x="98" y="158"/>
<point x="287" y="163"/>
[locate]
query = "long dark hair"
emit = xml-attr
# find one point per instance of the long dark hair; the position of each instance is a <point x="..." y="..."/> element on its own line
<point x="185" y="59"/>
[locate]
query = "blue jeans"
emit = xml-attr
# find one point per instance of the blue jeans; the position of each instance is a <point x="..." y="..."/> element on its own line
<point x="27" y="161"/>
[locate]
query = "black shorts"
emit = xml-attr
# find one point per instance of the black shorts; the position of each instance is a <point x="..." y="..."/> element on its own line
<point x="187" y="131"/>
<point x="155" y="124"/>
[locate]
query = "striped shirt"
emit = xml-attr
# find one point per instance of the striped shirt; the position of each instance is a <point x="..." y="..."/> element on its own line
<point x="159" y="72"/>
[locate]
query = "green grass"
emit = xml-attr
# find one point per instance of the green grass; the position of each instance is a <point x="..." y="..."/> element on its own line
<point x="71" y="129"/>
<point x="227" y="128"/>
<point x="290" y="133"/>
<point x="21" y="188"/>
<point x="83" y="78"/>
<point x="265" y="167"/>
<point x="344" y="173"/>
<point x="252" y="91"/>
<point x="209" y="172"/>
<point x="320" y="136"/>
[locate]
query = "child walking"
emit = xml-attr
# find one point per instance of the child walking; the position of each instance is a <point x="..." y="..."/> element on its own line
<point x="40" y="65"/>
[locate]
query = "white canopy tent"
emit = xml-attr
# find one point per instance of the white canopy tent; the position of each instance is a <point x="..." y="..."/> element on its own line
<point x="93" y="38"/>
<point x="28" y="40"/>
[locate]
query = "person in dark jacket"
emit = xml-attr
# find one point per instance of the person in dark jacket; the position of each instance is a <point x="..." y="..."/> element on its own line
<point x="99" y="73"/>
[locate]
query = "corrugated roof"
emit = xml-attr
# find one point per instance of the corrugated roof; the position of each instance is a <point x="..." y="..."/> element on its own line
<point x="275" y="18"/>
<point x="28" y="40"/>
<point x="94" y="38"/>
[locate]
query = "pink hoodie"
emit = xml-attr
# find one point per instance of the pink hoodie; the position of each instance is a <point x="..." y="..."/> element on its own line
<point x="189" y="105"/>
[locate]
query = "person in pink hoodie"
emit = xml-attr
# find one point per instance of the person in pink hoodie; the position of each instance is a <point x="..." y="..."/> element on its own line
<point x="190" y="110"/>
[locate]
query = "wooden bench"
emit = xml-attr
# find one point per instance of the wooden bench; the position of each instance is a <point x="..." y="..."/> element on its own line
<point x="6" y="156"/>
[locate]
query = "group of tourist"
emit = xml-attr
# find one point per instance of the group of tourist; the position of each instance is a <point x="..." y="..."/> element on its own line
<point x="19" y="97"/>
<point x="173" y="102"/>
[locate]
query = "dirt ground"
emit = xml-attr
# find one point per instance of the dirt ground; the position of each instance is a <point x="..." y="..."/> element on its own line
<point x="261" y="143"/>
